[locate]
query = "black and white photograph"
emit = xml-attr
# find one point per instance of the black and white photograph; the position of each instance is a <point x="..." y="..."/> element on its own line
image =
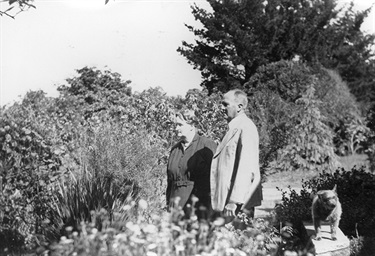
<point x="187" y="127"/>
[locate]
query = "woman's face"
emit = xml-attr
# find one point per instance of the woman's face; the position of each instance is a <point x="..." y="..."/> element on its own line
<point x="182" y="128"/>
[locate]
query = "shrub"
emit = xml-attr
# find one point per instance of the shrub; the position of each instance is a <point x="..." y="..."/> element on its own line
<point x="115" y="166"/>
<point x="29" y="172"/>
<point x="356" y="191"/>
<point x="170" y="233"/>
<point x="362" y="246"/>
<point x="311" y="146"/>
<point x="284" y="107"/>
<point x="294" y="207"/>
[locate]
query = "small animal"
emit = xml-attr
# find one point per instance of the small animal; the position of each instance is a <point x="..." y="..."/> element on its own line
<point x="326" y="207"/>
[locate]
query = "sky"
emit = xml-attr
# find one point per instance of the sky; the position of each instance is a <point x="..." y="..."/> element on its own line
<point x="138" y="39"/>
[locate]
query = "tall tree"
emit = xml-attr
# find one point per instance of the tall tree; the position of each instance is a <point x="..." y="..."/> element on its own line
<point x="239" y="36"/>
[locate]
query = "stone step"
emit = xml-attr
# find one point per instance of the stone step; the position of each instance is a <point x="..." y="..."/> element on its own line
<point x="326" y="246"/>
<point x="265" y="208"/>
<point x="262" y="212"/>
<point x="269" y="203"/>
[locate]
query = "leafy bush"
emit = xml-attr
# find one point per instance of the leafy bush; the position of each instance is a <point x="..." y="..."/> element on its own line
<point x="210" y="120"/>
<point x="311" y="146"/>
<point x="294" y="208"/>
<point x="169" y="234"/>
<point x="283" y="104"/>
<point x="362" y="246"/>
<point x="29" y="172"/>
<point x="101" y="145"/>
<point x="115" y="166"/>
<point x="356" y="191"/>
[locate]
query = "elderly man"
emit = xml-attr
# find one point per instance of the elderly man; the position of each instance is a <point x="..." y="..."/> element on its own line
<point x="235" y="175"/>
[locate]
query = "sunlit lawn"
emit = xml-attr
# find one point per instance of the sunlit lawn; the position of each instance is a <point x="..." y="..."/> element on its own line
<point x="294" y="179"/>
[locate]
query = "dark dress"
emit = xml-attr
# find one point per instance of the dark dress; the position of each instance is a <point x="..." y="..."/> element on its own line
<point x="188" y="171"/>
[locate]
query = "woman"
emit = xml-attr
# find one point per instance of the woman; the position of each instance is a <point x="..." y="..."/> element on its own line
<point x="189" y="165"/>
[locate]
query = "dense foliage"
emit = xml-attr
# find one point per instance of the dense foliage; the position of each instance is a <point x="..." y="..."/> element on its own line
<point x="240" y="42"/>
<point x="306" y="108"/>
<point x="30" y="169"/>
<point x="79" y="166"/>
<point x="355" y="189"/>
<point x="240" y="36"/>
<point x="99" y="146"/>
<point x="171" y="234"/>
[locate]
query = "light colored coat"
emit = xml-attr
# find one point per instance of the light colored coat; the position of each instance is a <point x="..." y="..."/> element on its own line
<point x="235" y="171"/>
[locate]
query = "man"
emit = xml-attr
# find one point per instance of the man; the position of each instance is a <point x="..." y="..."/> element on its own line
<point x="235" y="175"/>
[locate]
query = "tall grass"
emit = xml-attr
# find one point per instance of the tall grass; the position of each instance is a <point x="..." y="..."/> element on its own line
<point x="115" y="166"/>
<point x="87" y="194"/>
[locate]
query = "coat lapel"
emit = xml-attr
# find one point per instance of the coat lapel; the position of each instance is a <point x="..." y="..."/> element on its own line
<point x="227" y="138"/>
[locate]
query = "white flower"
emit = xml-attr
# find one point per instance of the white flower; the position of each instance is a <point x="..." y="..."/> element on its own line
<point x="151" y="246"/>
<point x="152" y="229"/>
<point x="137" y="240"/>
<point x="179" y="248"/>
<point x="151" y="254"/>
<point x="142" y="204"/>
<point x="126" y="207"/>
<point x="121" y="236"/>
<point x="64" y="240"/>
<point x="219" y="222"/>
<point x="16" y="195"/>
<point x="135" y="228"/>
<point x="230" y="251"/>
<point x="240" y="253"/>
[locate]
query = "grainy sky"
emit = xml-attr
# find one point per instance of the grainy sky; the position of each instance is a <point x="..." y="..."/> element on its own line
<point x="136" y="38"/>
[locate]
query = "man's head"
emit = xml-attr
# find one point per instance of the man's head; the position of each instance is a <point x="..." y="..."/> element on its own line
<point x="234" y="103"/>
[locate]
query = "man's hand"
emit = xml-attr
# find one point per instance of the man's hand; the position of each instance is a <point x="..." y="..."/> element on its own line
<point x="230" y="209"/>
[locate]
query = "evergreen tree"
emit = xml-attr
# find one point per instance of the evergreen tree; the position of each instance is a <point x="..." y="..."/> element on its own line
<point x="311" y="147"/>
<point x="239" y="36"/>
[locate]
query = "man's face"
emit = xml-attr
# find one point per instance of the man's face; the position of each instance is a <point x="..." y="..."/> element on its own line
<point x="230" y="107"/>
<point x="182" y="128"/>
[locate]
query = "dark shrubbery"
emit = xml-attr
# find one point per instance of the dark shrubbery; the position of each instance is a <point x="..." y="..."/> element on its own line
<point x="362" y="246"/>
<point x="356" y="191"/>
<point x="295" y="207"/>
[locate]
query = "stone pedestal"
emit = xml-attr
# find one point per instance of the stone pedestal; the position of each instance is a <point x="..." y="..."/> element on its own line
<point x="326" y="246"/>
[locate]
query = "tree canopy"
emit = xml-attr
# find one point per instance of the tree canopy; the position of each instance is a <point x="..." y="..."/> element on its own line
<point x="240" y="36"/>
